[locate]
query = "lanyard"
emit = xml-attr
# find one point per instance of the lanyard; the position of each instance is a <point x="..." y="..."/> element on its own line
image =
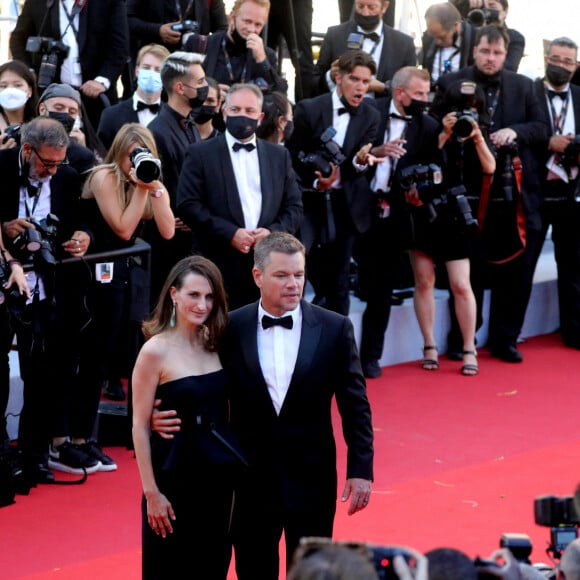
<point x="229" y="64"/>
<point x="27" y="186"/>
<point x="78" y="6"/>
<point x="183" y="14"/>
<point x="493" y="106"/>
<point x="559" y="120"/>
<point x="445" y="65"/>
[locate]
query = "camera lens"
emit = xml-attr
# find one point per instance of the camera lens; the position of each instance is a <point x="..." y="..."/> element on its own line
<point x="463" y="127"/>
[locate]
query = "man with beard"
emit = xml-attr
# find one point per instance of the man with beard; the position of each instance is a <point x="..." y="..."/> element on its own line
<point x="389" y="48"/>
<point x="238" y="55"/>
<point x="560" y="102"/>
<point x="234" y="190"/>
<point x="516" y="120"/>
<point x="337" y="200"/>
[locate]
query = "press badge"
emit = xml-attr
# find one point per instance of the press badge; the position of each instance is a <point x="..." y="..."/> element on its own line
<point x="104" y="272"/>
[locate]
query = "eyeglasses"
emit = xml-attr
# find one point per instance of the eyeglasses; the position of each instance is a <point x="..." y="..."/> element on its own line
<point x="51" y="164"/>
<point x="558" y="61"/>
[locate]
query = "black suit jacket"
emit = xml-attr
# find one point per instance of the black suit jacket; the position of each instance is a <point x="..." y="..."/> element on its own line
<point x="146" y="16"/>
<point x="429" y="48"/>
<point x="398" y="51"/>
<point x="211" y="46"/>
<point x="102" y="37"/>
<point x="292" y="455"/>
<point x="311" y="118"/>
<point x="113" y="118"/>
<point x="519" y="109"/>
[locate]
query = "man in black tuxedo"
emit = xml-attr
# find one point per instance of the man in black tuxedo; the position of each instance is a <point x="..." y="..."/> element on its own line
<point x="238" y="54"/>
<point x="447" y="44"/>
<point x="560" y="103"/>
<point x="337" y="205"/>
<point x="516" y="118"/>
<point x="36" y="182"/>
<point x="235" y="190"/>
<point x="406" y="136"/>
<point x="288" y="359"/>
<point x="144" y="104"/>
<point x="184" y="81"/>
<point x="96" y="34"/>
<point x="390" y="48"/>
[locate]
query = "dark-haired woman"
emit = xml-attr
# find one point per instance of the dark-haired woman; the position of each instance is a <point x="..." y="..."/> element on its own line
<point x="277" y="124"/>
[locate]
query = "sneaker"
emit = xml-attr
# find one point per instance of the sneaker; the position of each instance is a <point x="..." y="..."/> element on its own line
<point x="106" y="463"/>
<point x="70" y="458"/>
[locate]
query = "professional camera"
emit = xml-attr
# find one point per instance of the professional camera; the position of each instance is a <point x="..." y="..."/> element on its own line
<point x="559" y="514"/>
<point x="569" y="158"/>
<point x="483" y="17"/>
<point x="53" y="53"/>
<point x="355" y="41"/>
<point x="12" y="132"/>
<point x="147" y="167"/>
<point x="41" y="240"/>
<point x="503" y="188"/>
<point x="420" y="176"/>
<point x="186" y="26"/>
<point x="468" y="116"/>
<point x="10" y="295"/>
<point x="329" y="152"/>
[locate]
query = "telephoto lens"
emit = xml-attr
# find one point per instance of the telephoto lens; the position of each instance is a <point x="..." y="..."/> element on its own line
<point x="147" y="167"/>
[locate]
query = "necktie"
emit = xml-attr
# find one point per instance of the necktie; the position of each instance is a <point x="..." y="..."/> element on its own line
<point x="153" y="107"/>
<point x="372" y="36"/>
<point x="285" y="322"/>
<point x="562" y="94"/>
<point x="247" y="146"/>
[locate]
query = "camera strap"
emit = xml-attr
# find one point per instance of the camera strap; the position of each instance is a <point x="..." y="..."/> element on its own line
<point x="182" y="14"/>
<point x="229" y="64"/>
<point x="77" y="8"/>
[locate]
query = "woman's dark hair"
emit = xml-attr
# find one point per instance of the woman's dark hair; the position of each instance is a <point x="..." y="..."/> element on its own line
<point x="215" y="325"/>
<point x="275" y="105"/>
<point x="19" y="68"/>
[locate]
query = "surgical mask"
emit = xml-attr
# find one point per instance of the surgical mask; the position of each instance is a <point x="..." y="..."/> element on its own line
<point x="239" y="41"/>
<point x="12" y="99"/>
<point x="204" y="114"/>
<point x="288" y="130"/>
<point x="367" y="22"/>
<point x="415" y="108"/>
<point x="241" y="127"/>
<point x="557" y="75"/>
<point x="149" y="81"/>
<point x="67" y="120"/>
<point x="197" y="101"/>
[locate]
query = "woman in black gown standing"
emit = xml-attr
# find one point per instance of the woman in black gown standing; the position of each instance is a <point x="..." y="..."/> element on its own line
<point x="186" y="477"/>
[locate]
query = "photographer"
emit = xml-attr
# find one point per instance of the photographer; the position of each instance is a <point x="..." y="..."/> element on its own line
<point x="37" y="182"/>
<point x="238" y="55"/>
<point x="83" y="44"/>
<point x="558" y="155"/>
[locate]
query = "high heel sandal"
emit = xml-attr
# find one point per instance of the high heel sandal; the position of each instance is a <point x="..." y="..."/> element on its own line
<point x="470" y="369"/>
<point x="429" y="364"/>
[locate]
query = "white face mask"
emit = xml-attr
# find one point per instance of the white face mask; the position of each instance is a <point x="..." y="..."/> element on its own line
<point x="12" y="99"/>
<point x="78" y="123"/>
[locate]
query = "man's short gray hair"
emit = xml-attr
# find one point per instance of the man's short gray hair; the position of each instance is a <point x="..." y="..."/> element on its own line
<point x="245" y="86"/>
<point x="44" y="132"/>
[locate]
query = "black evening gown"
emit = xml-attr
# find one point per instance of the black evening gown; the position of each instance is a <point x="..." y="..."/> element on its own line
<point x="195" y="472"/>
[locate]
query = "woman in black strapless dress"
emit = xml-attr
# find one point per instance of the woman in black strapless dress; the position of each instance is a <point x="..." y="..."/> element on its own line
<point x="187" y="477"/>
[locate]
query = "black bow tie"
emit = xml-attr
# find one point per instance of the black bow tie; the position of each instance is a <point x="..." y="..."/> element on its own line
<point x="153" y="107"/>
<point x="351" y="110"/>
<point x="372" y="36"/>
<point x="400" y="117"/>
<point x="285" y="322"/>
<point x="247" y="146"/>
<point x="562" y="94"/>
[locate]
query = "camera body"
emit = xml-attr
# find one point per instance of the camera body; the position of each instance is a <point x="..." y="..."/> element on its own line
<point x="329" y="152"/>
<point x="483" y="16"/>
<point x="354" y="41"/>
<point x="570" y="156"/>
<point x="186" y="26"/>
<point x="147" y="167"/>
<point x="421" y="176"/>
<point x="560" y="515"/>
<point x="12" y="132"/>
<point x="53" y="53"/>
<point x="382" y="559"/>
<point x="464" y="124"/>
<point x="41" y="240"/>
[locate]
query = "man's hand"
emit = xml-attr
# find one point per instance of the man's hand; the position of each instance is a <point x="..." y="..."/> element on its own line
<point x="14" y="228"/>
<point x="181" y="226"/>
<point x="167" y="35"/>
<point x="164" y="423"/>
<point x="503" y="137"/>
<point x="365" y="157"/>
<point x="359" y="490"/>
<point x="559" y="142"/>
<point x="510" y="570"/>
<point x="412" y="197"/>
<point x="394" y="149"/>
<point x="260" y="234"/>
<point x="243" y="240"/>
<point x="404" y="572"/>
<point x="92" y="89"/>
<point x="255" y="43"/>
<point x="324" y="183"/>
<point x="78" y="136"/>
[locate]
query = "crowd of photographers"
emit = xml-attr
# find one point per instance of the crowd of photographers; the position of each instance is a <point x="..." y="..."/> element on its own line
<point x="456" y="166"/>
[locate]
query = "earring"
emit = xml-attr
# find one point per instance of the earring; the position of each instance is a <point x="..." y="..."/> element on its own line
<point x="172" y="319"/>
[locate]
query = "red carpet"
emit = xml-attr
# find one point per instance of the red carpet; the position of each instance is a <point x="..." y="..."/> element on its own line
<point x="459" y="461"/>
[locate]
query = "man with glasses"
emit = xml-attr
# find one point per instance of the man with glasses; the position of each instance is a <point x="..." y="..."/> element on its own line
<point x="560" y="103"/>
<point x="38" y="182"/>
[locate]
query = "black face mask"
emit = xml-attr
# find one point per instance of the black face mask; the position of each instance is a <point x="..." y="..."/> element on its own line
<point x="204" y="114"/>
<point x="415" y="108"/>
<point x="367" y="22"/>
<point x="239" y="42"/>
<point x="288" y="130"/>
<point x="241" y="127"/>
<point x="64" y="118"/>
<point x="197" y="101"/>
<point x="557" y="75"/>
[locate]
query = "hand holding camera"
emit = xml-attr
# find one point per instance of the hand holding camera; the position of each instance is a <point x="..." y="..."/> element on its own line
<point x="168" y="34"/>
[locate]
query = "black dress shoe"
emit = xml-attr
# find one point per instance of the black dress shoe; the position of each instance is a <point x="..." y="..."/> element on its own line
<point x="508" y="353"/>
<point x="372" y="369"/>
